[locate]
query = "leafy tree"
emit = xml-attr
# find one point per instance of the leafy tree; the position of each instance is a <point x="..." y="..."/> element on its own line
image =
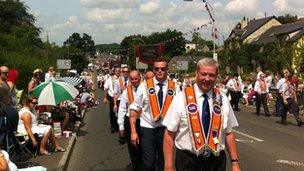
<point x="287" y="18"/>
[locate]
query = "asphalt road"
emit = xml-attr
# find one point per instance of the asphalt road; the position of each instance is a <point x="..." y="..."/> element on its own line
<point x="263" y="143"/>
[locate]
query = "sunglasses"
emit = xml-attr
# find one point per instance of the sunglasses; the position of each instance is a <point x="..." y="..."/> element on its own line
<point x="5" y="73"/>
<point x="125" y="71"/>
<point x="35" y="103"/>
<point x="160" y="68"/>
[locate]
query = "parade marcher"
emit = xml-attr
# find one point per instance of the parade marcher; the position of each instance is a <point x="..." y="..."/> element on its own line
<point x="11" y="81"/>
<point x="187" y="81"/>
<point x="119" y="86"/>
<point x="109" y="94"/>
<point x="261" y="88"/>
<point x="153" y="99"/>
<point x="290" y="101"/>
<point x="279" y="90"/>
<point x="127" y="98"/>
<point x="199" y="123"/>
<point x="259" y="72"/>
<point x="268" y="78"/>
<point x="234" y="89"/>
<point x="149" y="74"/>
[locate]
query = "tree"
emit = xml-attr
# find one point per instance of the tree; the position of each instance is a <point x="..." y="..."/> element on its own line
<point x="287" y="18"/>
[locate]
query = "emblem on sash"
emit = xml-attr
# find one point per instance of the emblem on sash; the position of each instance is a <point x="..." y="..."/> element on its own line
<point x="192" y="108"/>
<point x="170" y="92"/>
<point x="217" y="109"/>
<point x="151" y="90"/>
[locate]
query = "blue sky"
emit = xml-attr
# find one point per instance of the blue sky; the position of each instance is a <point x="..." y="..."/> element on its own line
<point x="109" y="21"/>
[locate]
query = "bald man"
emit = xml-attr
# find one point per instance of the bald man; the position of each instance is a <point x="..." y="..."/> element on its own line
<point x="127" y="98"/>
<point x="149" y="74"/>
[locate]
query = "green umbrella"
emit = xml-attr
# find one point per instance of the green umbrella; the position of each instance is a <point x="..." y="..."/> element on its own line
<point x="54" y="92"/>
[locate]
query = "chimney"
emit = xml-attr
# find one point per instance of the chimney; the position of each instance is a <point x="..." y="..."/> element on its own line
<point x="244" y="23"/>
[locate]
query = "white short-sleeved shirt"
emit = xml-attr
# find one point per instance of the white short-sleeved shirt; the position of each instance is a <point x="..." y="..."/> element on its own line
<point x="232" y="84"/>
<point x="176" y="119"/>
<point x="117" y="90"/>
<point x="287" y="90"/>
<point x="109" y="85"/>
<point x="279" y="85"/>
<point x="124" y="108"/>
<point x="141" y="102"/>
<point x="257" y="88"/>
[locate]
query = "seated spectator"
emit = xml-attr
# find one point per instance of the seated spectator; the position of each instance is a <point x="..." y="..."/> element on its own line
<point x="28" y="124"/>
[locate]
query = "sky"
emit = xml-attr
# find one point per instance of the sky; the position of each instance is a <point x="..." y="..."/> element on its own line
<point x="109" y="21"/>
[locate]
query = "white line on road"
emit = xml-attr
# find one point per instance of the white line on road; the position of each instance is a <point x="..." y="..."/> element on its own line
<point x="294" y="163"/>
<point x="248" y="136"/>
<point x="239" y="140"/>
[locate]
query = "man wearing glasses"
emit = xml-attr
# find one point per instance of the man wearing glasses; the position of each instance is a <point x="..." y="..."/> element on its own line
<point x="6" y="102"/>
<point x="153" y="99"/>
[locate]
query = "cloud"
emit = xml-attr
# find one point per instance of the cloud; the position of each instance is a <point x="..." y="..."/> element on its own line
<point x="149" y="7"/>
<point x="280" y="5"/>
<point x="242" y="6"/>
<point x="290" y="6"/>
<point x="105" y="4"/>
<point x="106" y="15"/>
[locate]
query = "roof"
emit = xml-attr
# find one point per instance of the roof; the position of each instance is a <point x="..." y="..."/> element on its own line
<point x="237" y="32"/>
<point x="271" y="34"/>
<point x="254" y="25"/>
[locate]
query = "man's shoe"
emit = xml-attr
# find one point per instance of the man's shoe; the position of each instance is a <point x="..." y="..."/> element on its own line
<point x="237" y="109"/>
<point x="122" y="140"/>
<point x="113" y="130"/>
<point x="284" y="122"/>
<point x="300" y="123"/>
<point x="268" y="115"/>
<point x="258" y="114"/>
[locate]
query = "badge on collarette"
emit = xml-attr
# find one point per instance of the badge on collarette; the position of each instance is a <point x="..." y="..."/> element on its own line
<point x="151" y="90"/>
<point x="192" y="108"/>
<point x="217" y="109"/>
<point x="170" y="92"/>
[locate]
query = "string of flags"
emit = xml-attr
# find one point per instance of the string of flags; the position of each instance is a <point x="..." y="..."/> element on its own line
<point x="215" y="32"/>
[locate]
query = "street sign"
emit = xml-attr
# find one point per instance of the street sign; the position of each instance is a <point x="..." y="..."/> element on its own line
<point x="140" y="65"/>
<point x="63" y="63"/>
<point x="181" y="65"/>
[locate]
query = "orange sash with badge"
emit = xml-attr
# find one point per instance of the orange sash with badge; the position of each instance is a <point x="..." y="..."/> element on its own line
<point x="121" y="85"/>
<point x="130" y="94"/>
<point x="156" y="112"/>
<point x="200" y="141"/>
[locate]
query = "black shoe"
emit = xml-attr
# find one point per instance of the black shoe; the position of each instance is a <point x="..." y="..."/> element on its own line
<point x="122" y="140"/>
<point x="268" y="115"/>
<point x="237" y="109"/>
<point x="300" y="123"/>
<point x="113" y="130"/>
<point x="258" y="114"/>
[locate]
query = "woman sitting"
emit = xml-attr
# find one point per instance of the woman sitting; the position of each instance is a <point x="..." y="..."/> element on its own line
<point x="28" y="124"/>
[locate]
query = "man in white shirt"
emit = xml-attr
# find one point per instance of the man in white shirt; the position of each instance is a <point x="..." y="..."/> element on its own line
<point x="108" y="98"/>
<point x="200" y="137"/>
<point x="153" y="99"/>
<point x="119" y="87"/>
<point x="259" y="72"/>
<point x="279" y="99"/>
<point x="234" y="89"/>
<point x="290" y="101"/>
<point x="123" y="119"/>
<point x="261" y="88"/>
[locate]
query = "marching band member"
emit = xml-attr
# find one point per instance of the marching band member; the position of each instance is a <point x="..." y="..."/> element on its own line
<point x="120" y="86"/>
<point x="199" y="123"/>
<point x="262" y="90"/>
<point x="127" y="98"/>
<point x="153" y="99"/>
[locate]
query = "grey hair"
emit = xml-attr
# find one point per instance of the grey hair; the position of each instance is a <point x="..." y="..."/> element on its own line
<point x="207" y="62"/>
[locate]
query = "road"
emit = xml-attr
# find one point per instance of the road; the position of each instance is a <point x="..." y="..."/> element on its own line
<point x="263" y="143"/>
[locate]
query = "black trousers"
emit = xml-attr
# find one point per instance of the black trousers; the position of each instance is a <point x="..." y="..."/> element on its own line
<point x="113" y="118"/>
<point x="152" y="146"/>
<point x="187" y="161"/>
<point x="262" y="99"/>
<point x="134" y="152"/>
<point x="235" y="98"/>
<point x="293" y="108"/>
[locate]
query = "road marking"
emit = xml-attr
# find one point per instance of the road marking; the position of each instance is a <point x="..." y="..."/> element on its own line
<point x="248" y="136"/>
<point x="293" y="163"/>
<point x="239" y="140"/>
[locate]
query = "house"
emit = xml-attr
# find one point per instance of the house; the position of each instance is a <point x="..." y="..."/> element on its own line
<point x="182" y="62"/>
<point x="270" y="30"/>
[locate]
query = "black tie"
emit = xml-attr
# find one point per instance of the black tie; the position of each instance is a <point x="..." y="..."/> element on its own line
<point x="126" y="79"/>
<point x="160" y="95"/>
<point x="205" y="114"/>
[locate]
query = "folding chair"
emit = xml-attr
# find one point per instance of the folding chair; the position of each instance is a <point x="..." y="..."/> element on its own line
<point x="26" y="144"/>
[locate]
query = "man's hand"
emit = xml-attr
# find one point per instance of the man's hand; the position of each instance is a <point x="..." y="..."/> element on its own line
<point x="134" y="139"/>
<point x="121" y="133"/>
<point x="105" y="100"/>
<point x="235" y="166"/>
<point x="285" y="102"/>
<point x="115" y="109"/>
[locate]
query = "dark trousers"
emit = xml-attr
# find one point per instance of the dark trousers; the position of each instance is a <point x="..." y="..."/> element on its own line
<point x="235" y="98"/>
<point x="292" y="107"/>
<point x="134" y="152"/>
<point x="187" y="161"/>
<point x="113" y="118"/>
<point x="152" y="146"/>
<point x="279" y="105"/>
<point x="262" y="99"/>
